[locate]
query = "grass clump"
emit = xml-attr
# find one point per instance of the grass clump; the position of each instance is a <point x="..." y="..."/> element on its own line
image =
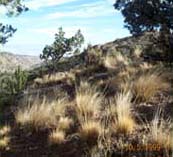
<point x="148" y="85"/>
<point x="57" y="137"/>
<point x="88" y="101"/>
<point x="41" y="115"/>
<point x="90" y="131"/>
<point x="160" y="131"/>
<point x="5" y="130"/>
<point x="123" y="121"/>
<point x="55" y="77"/>
<point x="64" y="123"/>
<point x="4" y="137"/>
<point x="116" y="61"/>
<point x="4" y="142"/>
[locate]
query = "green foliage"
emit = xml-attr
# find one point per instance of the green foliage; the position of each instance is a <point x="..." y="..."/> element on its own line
<point x="142" y="15"/>
<point x="149" y="15"/>
<point x="62" y="46"/>
<point x="21" y="78"/>
<point x="14" y="8"/>
<point x="6" y="31"/>
<point x="12" y="84"/>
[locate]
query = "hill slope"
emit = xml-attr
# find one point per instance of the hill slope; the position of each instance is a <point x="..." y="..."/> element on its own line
<point x="107" y="101"/>
<point x="9" y="61"/>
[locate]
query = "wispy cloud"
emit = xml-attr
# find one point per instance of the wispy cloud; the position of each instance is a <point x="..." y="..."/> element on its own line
<point x="88" y="10"/>
<point x="37" y="4"/>
<point x="98" y="21"/>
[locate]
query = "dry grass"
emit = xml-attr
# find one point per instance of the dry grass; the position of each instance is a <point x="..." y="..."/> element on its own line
<point x="110" y="62"/>
<point x="148" y="85"/>
<point x="90" y="131"/>
<point x="94" y="152"/>
<point x="94" y="56"/>
<point x="146" y="66"/>
<point x="5" y="130"/>
<point x="55" y="78"/>
<point x="160" y="131"/>
<point x="64" y="123"/>
<point x="115" y="61"/>
<point x="124" y="125"/>
<point x="88" y="101"/>
<point x="57" y="137"/>
<point x="4" y="137"/>
<point x="42" y="115"/>
<point x="138" y="51"/>
<point x="4" y="142"/>
<point x="123" y="120"/>
<point x="59" y="107"/>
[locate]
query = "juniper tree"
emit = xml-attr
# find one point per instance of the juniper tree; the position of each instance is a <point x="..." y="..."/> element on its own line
<point x="61" y="46"/>
<point x="148" y="15"/>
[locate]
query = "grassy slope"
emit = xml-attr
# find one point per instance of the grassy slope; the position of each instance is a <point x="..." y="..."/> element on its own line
<point x="117" y="94"/>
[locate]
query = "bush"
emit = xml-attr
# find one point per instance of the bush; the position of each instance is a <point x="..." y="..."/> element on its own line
<point x="11" y="85"/>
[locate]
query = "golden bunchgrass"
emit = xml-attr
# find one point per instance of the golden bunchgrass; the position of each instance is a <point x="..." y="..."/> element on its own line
<point x="55" y="77"/>
<point x="41" y="115"/>
<point x="64" y="123"/>
<point x="110" y="62"/>
<point x="59" y="107"/>
<point x="90" y="131"/>
<point x="115" y="61"/>
<point x="121" y="108"/>
<point x="124" y="125"/>
<point x="146" y="66"/>
<point x="160" y="131"/>
<point x="88" y="101"/>
<point x="5" y="130"/>
<point x="4" y="142"/>
<point x="148" y="85"/>
<point x="138" y="51"/>
<point x="57" y="137"/>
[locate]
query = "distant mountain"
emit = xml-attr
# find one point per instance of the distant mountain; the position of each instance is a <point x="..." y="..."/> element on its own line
<point x="10" y="61"/>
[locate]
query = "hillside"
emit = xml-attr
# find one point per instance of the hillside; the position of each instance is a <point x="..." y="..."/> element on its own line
<point x="147" y="42"/>
<point x="9" y="61"/>
<point x="111" y="100"/>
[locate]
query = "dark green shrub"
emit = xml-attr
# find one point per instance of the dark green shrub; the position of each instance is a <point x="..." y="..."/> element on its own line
<point x="11" y="84"/>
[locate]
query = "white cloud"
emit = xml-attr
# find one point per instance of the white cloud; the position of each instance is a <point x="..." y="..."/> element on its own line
<point x="37" y="4"/>
<point x="89" y="10"/>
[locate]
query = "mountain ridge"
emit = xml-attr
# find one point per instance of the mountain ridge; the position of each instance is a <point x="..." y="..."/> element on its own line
<point x="9" y="61"/>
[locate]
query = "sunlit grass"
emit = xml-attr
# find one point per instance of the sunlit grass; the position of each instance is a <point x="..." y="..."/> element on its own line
<point x="148" y="85"/>
<point x="57" y="137"/>
<point x="121" y="108"/>
<point x="88" y="101"/>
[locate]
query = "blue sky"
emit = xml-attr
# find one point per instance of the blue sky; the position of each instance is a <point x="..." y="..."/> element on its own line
<point x="97" y="19"/>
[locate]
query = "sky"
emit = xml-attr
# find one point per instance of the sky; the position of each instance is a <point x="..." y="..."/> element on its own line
<point x="98" y="21"/>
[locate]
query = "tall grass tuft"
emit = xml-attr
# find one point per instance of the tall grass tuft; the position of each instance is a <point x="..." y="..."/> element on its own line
<point x="160" y="130"/>
<point x="57" y="137"/>
<point x="123" y="120"/>
<point x="41" y="115"/>
<point x="88" y="101"/>
<point x="90" y="131"/>
<point x="148" y="85"/>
